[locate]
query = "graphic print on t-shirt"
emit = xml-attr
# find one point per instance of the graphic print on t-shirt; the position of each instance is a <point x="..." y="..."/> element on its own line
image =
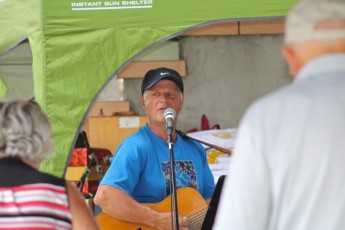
<point x="184" y="173"/>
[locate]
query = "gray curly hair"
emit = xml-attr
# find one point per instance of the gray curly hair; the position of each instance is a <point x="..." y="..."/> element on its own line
<point x="25" y="130"/>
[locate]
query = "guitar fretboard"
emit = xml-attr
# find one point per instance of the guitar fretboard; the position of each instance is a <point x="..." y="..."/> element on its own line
<point x="195" y="221"/>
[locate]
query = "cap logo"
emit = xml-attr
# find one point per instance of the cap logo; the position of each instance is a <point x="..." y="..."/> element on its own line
<point x="162" y="73"/>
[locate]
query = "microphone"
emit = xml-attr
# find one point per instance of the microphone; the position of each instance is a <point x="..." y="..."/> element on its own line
<point x="169" y="114"/>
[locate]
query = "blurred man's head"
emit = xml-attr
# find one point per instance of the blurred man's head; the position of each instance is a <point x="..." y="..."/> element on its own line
<point x="315" y="20"/>
<point x="313" y="28"/>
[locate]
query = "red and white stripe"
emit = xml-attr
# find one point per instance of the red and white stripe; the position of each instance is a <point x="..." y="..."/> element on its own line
<point x="40" y="206"/>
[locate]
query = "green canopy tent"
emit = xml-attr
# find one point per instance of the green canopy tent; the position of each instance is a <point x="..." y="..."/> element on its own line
<point x="78" y="46"/>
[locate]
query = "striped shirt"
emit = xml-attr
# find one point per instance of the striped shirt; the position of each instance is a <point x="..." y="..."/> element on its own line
<point x="30" y="199"/>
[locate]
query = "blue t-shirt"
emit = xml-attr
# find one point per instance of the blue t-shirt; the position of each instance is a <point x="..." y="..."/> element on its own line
<point x="141" y="167"/>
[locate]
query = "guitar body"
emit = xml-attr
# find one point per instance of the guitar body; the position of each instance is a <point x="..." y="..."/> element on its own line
<point x="190" y="204"/>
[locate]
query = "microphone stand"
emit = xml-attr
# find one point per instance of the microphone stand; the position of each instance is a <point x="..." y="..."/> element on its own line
<point x="174" y="205"/>
<point x="87" y="171"/>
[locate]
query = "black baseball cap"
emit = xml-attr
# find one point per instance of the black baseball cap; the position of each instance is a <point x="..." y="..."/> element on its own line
<point x="155" y="75"/>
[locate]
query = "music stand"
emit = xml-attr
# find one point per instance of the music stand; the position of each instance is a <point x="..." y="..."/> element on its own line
<point x="212" y="208"/>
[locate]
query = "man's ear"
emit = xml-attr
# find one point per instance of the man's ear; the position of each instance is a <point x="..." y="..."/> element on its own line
<point x="142" y="101"/>
<point x="182" y="100"/>
<point x="292" y="59"/>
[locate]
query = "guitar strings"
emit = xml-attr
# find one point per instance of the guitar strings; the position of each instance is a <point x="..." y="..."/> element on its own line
<point x="195" y="221"/>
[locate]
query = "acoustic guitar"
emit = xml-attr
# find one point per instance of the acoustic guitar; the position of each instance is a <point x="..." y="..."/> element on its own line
<point x="190" y="204"/>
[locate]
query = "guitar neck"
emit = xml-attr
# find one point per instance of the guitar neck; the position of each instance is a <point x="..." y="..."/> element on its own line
<point x="196" y="220"/>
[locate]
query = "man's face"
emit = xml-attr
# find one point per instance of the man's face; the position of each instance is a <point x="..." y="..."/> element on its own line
<point x="164" y="94"/>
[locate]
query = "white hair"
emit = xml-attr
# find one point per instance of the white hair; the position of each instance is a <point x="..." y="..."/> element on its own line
<point x="25" y="131"/>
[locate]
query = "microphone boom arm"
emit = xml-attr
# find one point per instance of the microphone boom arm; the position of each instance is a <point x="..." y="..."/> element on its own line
<point x="223" y="150"/>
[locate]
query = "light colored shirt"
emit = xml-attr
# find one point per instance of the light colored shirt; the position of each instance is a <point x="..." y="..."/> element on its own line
<point x="288" y="168"/>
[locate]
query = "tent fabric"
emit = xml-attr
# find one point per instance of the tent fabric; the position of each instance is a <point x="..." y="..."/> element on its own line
<point x="18" y="20"/>
<point x="157" y="13"/>
<point x="83" y="44"/>
<point x="3" y="87"/>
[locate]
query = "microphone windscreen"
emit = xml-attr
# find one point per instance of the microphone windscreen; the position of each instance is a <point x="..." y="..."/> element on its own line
<point x="169" y="112"/>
